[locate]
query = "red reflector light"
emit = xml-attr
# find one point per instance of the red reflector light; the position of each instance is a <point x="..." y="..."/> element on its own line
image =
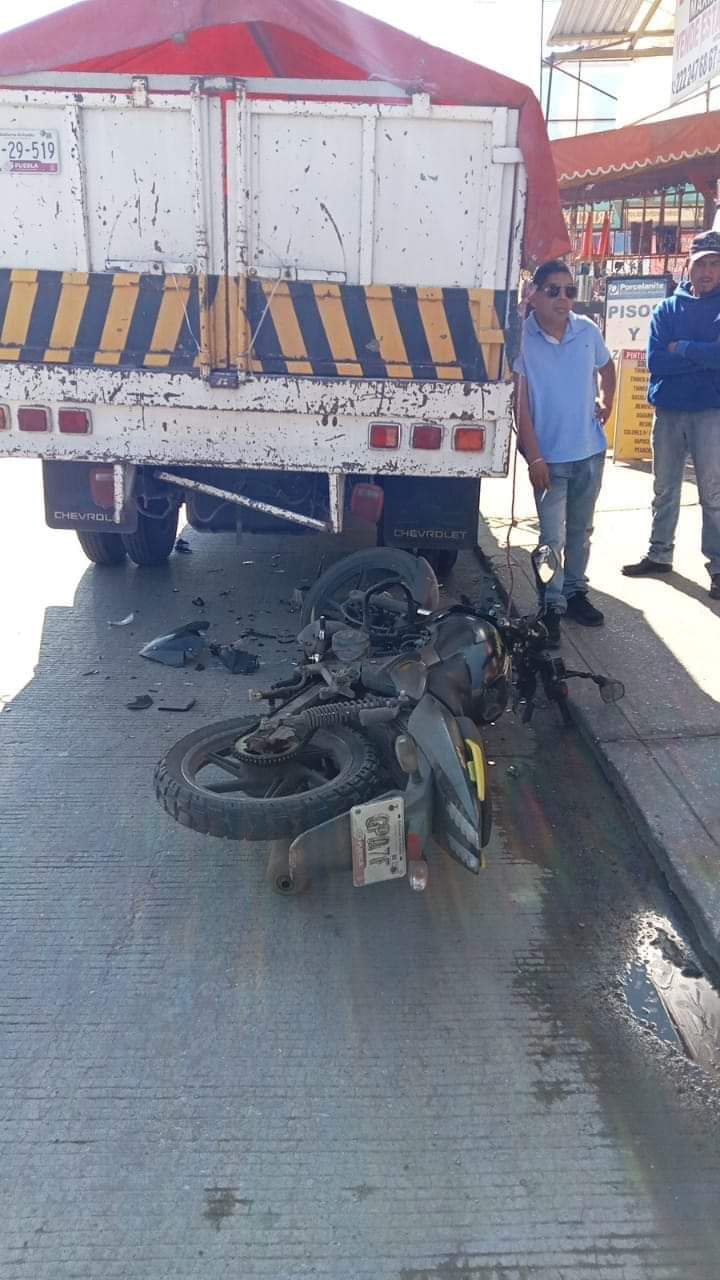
<point x="427" y="437"/>
<point x="102" y="487"/>
<point x="74" y="422"/>
<point x="367" y="502"/>
<point x="34" y="419"/>
<point x="384" y="435"/>
<point x="469" y="439"/>
<point x="4" y="418"/>
<point x="413" y="846"/>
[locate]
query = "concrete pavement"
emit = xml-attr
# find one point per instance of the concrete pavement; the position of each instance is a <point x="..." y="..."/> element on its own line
<point x="661" y="745"/>
<point x="200" y="1080"/>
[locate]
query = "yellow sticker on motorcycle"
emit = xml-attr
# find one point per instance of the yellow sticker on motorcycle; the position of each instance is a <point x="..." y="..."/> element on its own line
<point x="476" y="767"/>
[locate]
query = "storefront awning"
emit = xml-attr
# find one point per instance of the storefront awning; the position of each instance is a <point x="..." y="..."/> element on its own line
<point x="640" y="159"/>
<point x="605" y="29"/>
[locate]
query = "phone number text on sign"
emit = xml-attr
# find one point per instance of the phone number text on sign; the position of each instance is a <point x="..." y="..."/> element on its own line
<point x="696" y="56"/>
<point x="29" y="151"/>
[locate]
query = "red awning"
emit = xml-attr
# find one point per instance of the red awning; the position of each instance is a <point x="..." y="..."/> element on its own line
<point x="640" y="158"/>
<point x="286" y="38"/>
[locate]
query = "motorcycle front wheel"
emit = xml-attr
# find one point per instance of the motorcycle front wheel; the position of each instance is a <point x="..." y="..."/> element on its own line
<point x="203" y="784"/>
<point x="328" y="596"/>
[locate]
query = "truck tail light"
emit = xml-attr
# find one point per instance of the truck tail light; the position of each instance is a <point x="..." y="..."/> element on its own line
<point x="4" y="418"/>
<point x="367" y="502"/>
<point x="469" y="439"/>
<point x="102" y="487"/>
<point x="34" y="419"/>
<point x="74" y="422"/>
<point x="384" y="435"/>
<point x="426" y="437"/>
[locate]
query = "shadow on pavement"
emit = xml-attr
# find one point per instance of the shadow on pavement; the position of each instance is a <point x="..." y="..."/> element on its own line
<point x="693" y="590"/>
<point x="660" y="746"/>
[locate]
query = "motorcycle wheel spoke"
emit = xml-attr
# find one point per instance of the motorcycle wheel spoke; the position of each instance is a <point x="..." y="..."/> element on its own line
<point x="235" y="767"/>
<point x="338" y="609"/>
<point x="313" y="776"/>
<point x="333" y="610"/>
<point x="295" y="781"/>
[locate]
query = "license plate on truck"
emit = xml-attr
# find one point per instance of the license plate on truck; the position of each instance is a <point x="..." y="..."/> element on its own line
<point x="29" y="151"/>
<point x="378" y="841"/>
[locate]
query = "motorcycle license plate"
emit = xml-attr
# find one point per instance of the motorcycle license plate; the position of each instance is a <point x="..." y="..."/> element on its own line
<point x="378" y="841"/>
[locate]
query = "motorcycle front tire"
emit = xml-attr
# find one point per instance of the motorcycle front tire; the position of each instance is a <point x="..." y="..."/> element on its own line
<point x="380" y="562"/>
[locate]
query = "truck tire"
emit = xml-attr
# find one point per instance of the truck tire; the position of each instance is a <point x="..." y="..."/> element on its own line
<point x="102" y="548"/>
<point x="153" y="540"/>
<point x="346" y="756"/>
<point x="361" y="569"/>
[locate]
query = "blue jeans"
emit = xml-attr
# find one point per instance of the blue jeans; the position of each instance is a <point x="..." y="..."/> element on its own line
<point x="675" y="435"/>
<point x="566" y="515"/>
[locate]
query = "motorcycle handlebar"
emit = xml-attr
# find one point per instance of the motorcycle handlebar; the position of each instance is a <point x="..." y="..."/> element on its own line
<point x="388" y="603"/>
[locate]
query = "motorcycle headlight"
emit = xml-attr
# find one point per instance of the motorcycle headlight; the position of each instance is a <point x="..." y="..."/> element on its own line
<point x="406" y="754"/>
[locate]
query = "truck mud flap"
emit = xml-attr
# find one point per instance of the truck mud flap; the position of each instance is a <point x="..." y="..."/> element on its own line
<point x="82" y="496"/>
<point x="431" y="512"/>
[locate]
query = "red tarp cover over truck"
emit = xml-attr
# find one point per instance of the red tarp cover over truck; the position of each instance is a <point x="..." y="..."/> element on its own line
<point x="305" y="39"/>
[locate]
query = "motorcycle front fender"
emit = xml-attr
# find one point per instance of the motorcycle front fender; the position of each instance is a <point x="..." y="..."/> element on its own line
<point x="457" y="821"/>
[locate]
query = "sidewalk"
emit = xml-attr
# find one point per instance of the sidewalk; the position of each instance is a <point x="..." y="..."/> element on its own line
<point x="660" y="746"/>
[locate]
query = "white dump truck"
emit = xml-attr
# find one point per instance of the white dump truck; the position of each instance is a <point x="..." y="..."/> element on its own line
<point x="268" y="291"/>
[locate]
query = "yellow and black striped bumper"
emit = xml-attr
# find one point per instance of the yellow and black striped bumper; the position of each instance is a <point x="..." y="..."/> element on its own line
<point x="354" y="331"/>
<point x="186" y="323"/>
<point x="127" y="320"/>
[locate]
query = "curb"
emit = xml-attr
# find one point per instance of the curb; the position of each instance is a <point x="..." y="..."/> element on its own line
<point x="703" y="924"/>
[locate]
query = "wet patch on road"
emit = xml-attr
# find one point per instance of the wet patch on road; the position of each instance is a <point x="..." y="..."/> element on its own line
<point x="670" y="995"/>
<point x="455" y="1269"/>
<point x="618" y="989"/>
<point x="221" y="1203"/>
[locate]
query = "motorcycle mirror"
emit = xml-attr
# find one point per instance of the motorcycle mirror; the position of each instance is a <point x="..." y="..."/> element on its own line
<point x="612" y="690"/>
<point x="409" y="675"/>
<point x="545" y="563"/>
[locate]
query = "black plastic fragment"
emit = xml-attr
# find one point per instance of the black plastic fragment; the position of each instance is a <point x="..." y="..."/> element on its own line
<point x="141" y="703"/>
<point x="184" y="644"/>
<point x="238" y="661"/>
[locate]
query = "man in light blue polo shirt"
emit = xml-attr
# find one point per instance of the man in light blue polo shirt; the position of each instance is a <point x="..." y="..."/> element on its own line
<point x="561" y="419"/>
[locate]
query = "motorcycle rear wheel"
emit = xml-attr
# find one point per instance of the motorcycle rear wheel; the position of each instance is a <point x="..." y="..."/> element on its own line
<point x="203" y="785"/>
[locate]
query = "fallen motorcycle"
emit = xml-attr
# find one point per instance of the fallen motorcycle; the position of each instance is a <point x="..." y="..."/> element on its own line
<point x="372" y="751"/>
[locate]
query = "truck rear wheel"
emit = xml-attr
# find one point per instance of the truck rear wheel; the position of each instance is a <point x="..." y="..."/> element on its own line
<point x="102" y="548"/>
<point x="153" y="540"/>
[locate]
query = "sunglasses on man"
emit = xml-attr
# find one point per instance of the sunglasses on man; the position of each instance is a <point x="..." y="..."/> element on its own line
<point x="554" y="290"/>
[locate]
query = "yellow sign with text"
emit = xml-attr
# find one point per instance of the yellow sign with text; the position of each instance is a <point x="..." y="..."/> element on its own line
<point x="611" y="424"/>
<point x="633" y="415"/>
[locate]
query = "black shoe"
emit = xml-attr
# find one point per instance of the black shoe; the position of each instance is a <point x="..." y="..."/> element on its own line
<point x="645" y="568"/>
<point x="715" y="587"/>
<point x="581" y="610"/>
<point x="551" y="619"/>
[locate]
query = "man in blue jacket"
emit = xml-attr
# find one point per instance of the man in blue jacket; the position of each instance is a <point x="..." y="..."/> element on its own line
<point x="684" y="364"/>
